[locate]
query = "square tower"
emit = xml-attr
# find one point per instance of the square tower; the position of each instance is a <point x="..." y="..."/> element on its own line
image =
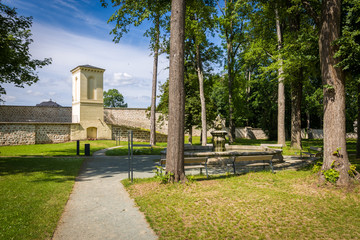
<point x="88" y="104"/>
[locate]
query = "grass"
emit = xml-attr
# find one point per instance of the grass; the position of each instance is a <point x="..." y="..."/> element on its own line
<point x="306" y="143"/>
<point x="33" y="193"/>
<point x="59" y="149"/>
<point x="261" y="205"/>
<point x="121" y="151"/>
<point x="69" y="148"/>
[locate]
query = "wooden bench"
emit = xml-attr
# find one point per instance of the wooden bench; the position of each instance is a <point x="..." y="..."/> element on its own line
<point x="313" y="152"/>
<point x="190" y="163"/>
<point x="253" y="158"/>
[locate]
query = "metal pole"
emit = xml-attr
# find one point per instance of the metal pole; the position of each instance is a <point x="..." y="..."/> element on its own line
<point x="132" y="157"/>
<point x="128" y="154"/>
<point x="78" y="147"/>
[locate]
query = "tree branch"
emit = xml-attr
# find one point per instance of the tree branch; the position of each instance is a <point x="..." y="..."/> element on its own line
<point x="310" y="10"/>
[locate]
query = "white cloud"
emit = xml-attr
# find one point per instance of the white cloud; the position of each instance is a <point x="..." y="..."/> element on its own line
<point x="32" y="93"/>
<point x="9" y="98"/>
<point x="128" y="67"/>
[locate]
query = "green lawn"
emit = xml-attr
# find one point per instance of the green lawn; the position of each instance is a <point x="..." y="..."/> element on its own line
<point x="261" y="205"/>
<point x="59" y="149"/>
<point x="69" y="148"/>
<point x="33" y="193"/>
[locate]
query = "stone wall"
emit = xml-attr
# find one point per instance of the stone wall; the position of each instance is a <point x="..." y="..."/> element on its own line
<point x="52" y="133"/>
<point x="35" y="114"/>
<point x="139" y="135"/>
<point x="134" y="117"/>
<point x="17" y="134"/>
<point x="319" y="134"/>
<point x="250" y="133"/>
<point x="33" y="133"/>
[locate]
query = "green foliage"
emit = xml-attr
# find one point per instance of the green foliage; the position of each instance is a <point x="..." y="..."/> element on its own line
<point x="161" y="175"/>
<point x="337" y="152"/>
<point x="317" y="167"/>
<point x="138" y="12"/>
<point x="349" y="43"/>
<point x="113" y="98"/>
<point x="352" y="170"/>
<point x="331" y="175"/>
<point x="16" y="64"/>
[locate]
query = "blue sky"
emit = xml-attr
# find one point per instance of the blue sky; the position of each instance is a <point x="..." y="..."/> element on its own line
<point x="75" y="32"/>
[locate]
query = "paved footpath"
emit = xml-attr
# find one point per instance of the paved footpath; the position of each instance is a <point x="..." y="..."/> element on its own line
<point x="99" y="207"/>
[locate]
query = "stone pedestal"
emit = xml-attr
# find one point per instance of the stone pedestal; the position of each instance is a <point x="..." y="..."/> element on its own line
<point x="219" y="140"/>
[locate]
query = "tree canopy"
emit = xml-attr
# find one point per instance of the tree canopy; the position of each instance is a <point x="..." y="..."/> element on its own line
<point x="265" y="47"/>
<point x="113" y="98"/>
<point x="16" y="63"/>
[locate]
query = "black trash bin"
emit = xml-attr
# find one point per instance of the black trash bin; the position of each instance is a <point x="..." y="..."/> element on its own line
<point x="87" y="149"/>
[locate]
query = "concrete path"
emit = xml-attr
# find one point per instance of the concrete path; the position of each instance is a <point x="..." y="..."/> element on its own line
<point x="99" y="207"/>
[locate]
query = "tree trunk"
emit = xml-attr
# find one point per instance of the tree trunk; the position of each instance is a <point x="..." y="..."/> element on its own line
<point x="296" y="95"/>
<point x="296" y="89"/>
<point x="202" y="96"/>
<point x="154" y="83"/>
<point x="190" y="135"/>
<point x="308" y="124"/>
<point x="335" y="153"/>
<point x="281" y="88"/>
<point x="175" y="146"/>
<point x="358" y="123"/>
<point x="230" y="83"/>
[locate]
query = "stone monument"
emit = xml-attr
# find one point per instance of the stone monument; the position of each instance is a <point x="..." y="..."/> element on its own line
<point x="218" y="136"/>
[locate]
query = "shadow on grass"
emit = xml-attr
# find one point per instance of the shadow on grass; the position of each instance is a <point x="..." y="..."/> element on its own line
<point x="52" y="169"/>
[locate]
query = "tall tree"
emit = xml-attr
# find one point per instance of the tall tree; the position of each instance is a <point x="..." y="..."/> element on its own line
<point x="175" y="146"/>
<point x="199" y="23"/>
<point x="335" y="153"/>
<point x="232" y="21"/>
<point x="135" y="12"/>
<point x="349" y="52"/>
<point x="16" y="64"/>
<point x="113" y="98"/>
<point x="281" y="87"/>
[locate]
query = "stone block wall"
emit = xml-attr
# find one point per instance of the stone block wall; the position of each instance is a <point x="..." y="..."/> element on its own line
<point x="251" y="133"/>
<point x="133" y="117"/>
<point x="139" y="135"/>
<point x="33" y="133"/>
<point x="319" y="134"/>
<point x="35" y="114"/>
<point x="17" y="134"/>
<point x="52" y="133"/>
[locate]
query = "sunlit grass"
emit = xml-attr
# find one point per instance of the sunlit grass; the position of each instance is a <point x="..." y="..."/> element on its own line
<point x="58" y="149"/>
<point x="286" y="205"/>
<point x="33" y="193"/>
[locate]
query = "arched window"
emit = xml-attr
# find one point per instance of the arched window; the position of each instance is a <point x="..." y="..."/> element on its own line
<point x="91" y="88"/>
